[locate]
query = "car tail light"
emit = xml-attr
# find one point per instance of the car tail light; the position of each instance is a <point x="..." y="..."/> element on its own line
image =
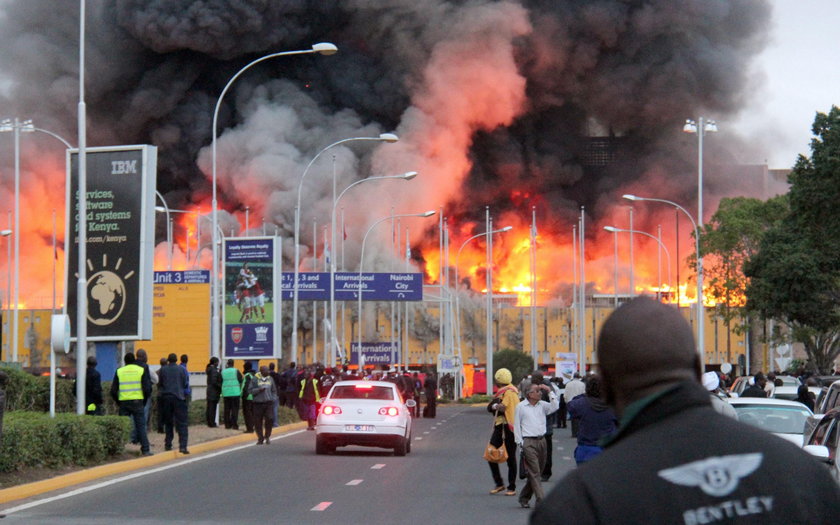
<point x="330" y="410"/>
<point x="388" y="411"/>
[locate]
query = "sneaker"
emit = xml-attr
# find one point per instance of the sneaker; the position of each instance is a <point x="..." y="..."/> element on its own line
<point x="510" y="493"/>
<point x="524" y="505"/>
<point x="497" y="489"/>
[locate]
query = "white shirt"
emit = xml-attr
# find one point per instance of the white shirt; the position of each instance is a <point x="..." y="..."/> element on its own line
<point x="529" y="420"/>
<point x="574" y="388"/>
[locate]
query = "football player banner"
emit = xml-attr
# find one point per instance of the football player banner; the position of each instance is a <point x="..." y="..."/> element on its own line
<point x="251" y="316"/>
<point x="120" y="217"/>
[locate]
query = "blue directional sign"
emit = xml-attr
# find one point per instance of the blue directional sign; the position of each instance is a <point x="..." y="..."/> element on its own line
<point x="315" y="286"/>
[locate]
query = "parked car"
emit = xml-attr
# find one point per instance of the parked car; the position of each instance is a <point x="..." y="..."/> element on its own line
<point x="792" y="392"/>
<point x="829" y="398"/>
<point x="788" y="381"/>
<point x="366" y="413"/>
<point x="824" y="440"/>
<point x="739" y="385"/>
<point x="783" y="418"/>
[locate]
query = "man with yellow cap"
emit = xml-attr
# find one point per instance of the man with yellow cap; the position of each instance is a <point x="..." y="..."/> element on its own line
<point x="503" y="407"/>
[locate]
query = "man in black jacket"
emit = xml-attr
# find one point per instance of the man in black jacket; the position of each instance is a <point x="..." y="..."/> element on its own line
<point x="214" y="391"/>
<point x="673" y="458"/>
<point x="173" y="399"/>
<point x="757" y="388"/>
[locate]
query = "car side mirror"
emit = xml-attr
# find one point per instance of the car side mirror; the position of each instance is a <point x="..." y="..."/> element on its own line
<point x="818" y="451"/>
<point x="411" y="403"/>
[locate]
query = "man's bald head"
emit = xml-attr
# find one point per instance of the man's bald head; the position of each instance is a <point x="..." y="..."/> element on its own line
<point x="643" y="347"/>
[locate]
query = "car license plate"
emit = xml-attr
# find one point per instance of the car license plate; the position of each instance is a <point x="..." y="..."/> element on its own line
<point x="359" y="428"/>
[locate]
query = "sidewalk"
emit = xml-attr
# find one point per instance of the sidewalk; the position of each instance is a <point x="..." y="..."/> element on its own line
<point x="37" y="488"/>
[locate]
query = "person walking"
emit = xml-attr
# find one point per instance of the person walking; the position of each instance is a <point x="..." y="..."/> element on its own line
<point x="309" y="397"/>
<point x="214" y="391"/>
<point x="247" y="398"/>
<point x="805" y="396"/>
<point x="188" y="391"/>
<point x="562" y="412"/>
<point x="430" y="388"/>
<point x="597" y="420"/>
<point x="231" y="392"/>
<point x="537" y="378"/>
<point x="674" y="459"/>
<point x="158" y="411"/>
<point x="711" y="382"/>
<point x="756" y="389"/>
<point x="130" y="388"/>
<point x="292" y="386"/>
<point x="275" y="376"/>
<point x="529" y="430"/>
<point x="142" y="359"/>
<point x="503" y="406"/>
<point x="263" y="389"/>
<point x="574" y="388"/>
<point x="173" y="387"/>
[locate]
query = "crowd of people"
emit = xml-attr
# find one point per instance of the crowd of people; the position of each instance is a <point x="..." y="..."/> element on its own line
<point x="652" y="446"/>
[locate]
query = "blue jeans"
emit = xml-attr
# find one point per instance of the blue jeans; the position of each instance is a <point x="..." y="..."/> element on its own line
<point x="276" y="412"/>
<point x="584" y="453"/>
<point x="147" y="409"/>
<point x="134" y="410"/>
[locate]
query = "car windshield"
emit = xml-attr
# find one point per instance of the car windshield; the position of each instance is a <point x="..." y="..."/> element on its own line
<point x="779" y="419"/>
<point x="385" y="393"/>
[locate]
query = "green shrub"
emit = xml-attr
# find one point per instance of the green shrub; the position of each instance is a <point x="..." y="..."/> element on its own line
<point x="27" y="392"/>
<point x="35" y="440"/>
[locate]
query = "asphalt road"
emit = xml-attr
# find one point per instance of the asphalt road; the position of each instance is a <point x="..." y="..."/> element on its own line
<point x="443" y="480"/>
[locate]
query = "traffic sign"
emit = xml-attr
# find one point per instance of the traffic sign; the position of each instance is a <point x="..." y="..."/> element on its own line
<point x="376" y="286"/>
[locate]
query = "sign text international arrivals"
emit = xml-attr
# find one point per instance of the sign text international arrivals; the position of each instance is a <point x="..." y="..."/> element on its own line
<point x="315" y="286"/>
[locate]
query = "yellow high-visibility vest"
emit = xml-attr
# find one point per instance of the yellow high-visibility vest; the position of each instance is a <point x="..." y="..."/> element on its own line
<point x="131" y="386"/>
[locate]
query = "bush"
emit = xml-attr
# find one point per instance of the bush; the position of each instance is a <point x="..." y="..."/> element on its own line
<point x="476" y="398"/>
<point x="519" y="363"/>
<point x="27" y="392"/>
<point x="36" y="440"/>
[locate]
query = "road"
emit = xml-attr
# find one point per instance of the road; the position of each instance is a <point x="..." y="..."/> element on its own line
<point x="443" y="480"/>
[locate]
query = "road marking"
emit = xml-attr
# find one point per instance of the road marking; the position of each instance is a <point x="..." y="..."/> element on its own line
<point x="567" y="458"/>
<point x="135" y="475"/>
<point x="426" y="432"/>
<point x="321" y="506"/>
<point x="377" y="466"/>
<point x="418" y="439"/>
<point x="354" y="482"/>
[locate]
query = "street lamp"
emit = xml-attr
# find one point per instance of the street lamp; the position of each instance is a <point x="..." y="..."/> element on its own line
<point x="667" y="253"/>
<point x="323" y="48"/>
<point x="458" y="295"/>
<point x="362" y="262"/>
<point x="6" y="233"/>
<point x="700" y="329"/>
<point x="165" y="209"/>
<point x="405" y="176"/>
<point x="383" y="137"/>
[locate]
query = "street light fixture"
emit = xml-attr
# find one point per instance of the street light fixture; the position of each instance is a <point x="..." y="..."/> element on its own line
<point x="362" y="262"/>
<point x="383" y="137"/>
<point x="322" y="48"/>
<point x="700" y="304"/>
<point x="405" y="176"/>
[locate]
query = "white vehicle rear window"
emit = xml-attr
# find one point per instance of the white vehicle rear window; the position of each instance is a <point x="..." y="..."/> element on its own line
<point x="384" y="393"/>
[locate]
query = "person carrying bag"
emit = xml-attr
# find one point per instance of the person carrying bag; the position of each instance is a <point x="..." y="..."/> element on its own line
<point x="503" y="407"/>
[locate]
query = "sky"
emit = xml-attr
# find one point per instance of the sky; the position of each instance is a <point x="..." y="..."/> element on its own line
<point x="798" y="75"/>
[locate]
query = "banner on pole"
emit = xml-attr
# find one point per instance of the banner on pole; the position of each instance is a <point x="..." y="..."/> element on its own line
<point x="251" y="315"/>
<point x="120" y="217"/>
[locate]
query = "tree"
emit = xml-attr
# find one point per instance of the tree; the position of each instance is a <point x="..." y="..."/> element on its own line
<point x="519" y="364"/>
<point x="425" y="328"/>
<point x="795" y="276"/>
<point x="728" y="240"/>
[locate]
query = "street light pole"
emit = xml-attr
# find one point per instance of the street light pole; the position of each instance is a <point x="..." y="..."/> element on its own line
<point x="168" y="230"/>
<point x="334" y="343"/>
<point x="458" y="295"/>
<point x="383" y="137"/>
<point x="323" y="48"/>
<point x="700" y="323"/>
<point x="6" y="233"/>
<point x="362" y="262"/>
<point x="667" y="253"/>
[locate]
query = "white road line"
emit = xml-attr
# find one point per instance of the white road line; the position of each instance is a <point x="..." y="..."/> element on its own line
<point x="135" y="475"/>
<point x="418" y="439"/>
<point x="321" y="506"/>
<point x="426" y="432"/>
<point x="377" y="466"/>
<point x="567" y="458"/>
<point x="354" y="482"/>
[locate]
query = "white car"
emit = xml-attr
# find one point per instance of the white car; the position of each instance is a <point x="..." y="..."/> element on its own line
<point x="783" y="418"/>
<point x="792" y="392"/>
<point x="366" y="413"/>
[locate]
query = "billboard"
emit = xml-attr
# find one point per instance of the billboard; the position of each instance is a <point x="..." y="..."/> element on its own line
<point x="180" y="317"/>
<point x="251" y="316"/>
<point x="120" y="218"/>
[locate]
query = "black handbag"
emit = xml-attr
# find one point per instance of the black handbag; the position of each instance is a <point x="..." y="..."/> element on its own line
<point x="523" y="467"/>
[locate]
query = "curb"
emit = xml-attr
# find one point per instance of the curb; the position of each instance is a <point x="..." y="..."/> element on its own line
<point x="83" y="476"/>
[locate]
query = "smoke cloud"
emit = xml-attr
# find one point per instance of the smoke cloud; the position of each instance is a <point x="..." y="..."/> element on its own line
<point x="495" y="103"/>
